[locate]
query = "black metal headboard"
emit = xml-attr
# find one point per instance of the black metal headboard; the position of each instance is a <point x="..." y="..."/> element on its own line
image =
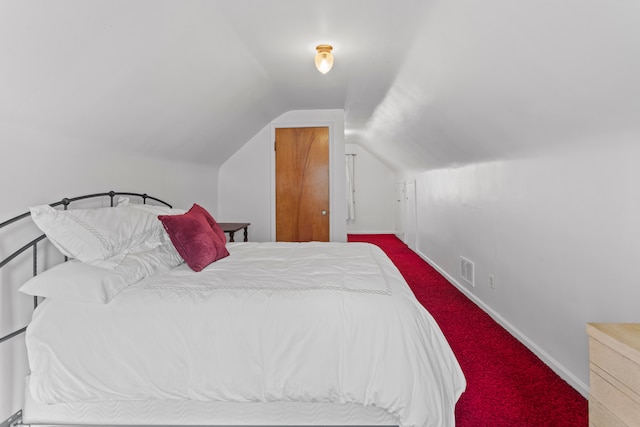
<point x="33" y="244"/>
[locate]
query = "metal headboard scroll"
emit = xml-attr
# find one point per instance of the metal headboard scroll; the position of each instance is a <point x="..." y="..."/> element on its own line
<point x="33" y="244"/>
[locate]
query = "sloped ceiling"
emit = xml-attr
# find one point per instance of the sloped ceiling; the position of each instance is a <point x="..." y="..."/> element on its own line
<point x="423" y="83"/>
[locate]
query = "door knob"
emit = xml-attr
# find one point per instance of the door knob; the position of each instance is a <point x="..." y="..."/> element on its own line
<point x="324" y="213"/>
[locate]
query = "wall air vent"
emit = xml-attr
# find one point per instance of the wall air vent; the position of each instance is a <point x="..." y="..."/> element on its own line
<point x="466" y="270"/>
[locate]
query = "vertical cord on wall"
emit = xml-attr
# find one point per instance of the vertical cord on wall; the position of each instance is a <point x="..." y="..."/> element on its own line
<point x="351" y="202"/>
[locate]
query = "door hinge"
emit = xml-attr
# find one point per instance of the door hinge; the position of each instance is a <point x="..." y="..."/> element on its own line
<point x="274" y="145"/>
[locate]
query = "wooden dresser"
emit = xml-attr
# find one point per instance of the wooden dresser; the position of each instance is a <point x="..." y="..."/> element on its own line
<point x="614" y="354"/>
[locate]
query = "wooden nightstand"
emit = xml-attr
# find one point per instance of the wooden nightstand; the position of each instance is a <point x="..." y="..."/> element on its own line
<point x="232" y="227"/>
<point x="614" y="356"/>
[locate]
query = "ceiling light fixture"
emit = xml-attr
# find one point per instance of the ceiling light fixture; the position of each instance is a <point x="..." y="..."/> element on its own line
<point x="324" y="58"/>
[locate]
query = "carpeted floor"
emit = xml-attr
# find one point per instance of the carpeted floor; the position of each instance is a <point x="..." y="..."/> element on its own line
<point x="507" y="385"/>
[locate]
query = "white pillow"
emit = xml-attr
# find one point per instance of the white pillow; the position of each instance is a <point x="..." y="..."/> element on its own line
<point x="156" y="209"/>
<point x="76" y="281"/>
<point x="101" y="236"/>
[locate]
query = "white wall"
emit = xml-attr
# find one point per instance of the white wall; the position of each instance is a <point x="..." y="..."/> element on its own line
<point x="45" y="170"/>
<point x="559" y="229"/>
<point x="246" y="186"/>
<point x="374" y="194"/>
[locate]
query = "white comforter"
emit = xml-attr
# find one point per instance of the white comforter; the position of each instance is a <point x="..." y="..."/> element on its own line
<point x="330" y="322"/>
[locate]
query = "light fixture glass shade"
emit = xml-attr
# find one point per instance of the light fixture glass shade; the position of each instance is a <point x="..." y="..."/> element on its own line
<point x="324" y="58"/>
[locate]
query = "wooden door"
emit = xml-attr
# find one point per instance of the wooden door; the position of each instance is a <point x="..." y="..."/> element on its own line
<point x="302" y="184"/>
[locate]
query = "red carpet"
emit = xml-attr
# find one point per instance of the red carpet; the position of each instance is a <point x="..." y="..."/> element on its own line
<point x="507" y="385"/>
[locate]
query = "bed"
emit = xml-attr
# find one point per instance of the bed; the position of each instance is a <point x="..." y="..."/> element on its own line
<point x="156" y="321"/>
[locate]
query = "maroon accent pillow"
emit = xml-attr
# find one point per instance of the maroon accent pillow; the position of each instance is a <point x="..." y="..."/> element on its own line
<point x="222" y="248"/>
<point x="193" y="238"/>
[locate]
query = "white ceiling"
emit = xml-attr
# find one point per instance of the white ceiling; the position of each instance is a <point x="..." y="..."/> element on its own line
<point x="423" y="83"/>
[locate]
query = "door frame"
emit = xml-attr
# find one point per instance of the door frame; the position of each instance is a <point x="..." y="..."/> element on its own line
<point x="399" y="210"/>
<point x="332" y="169"/>
<point x="410" y="215"/>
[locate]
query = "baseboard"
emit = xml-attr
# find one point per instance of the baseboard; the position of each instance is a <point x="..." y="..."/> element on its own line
<point x="371" y="232"/>
<point x="557" y="367"/>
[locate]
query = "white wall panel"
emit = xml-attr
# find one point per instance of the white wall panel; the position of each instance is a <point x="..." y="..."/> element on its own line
<point x="374" y="194"/>
<point x="245" y="186"/>
<point x="559" y="231"/>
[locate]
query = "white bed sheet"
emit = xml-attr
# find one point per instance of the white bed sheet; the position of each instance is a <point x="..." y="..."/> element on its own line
<point x="260" y="335"/>
<point x="185" y="412"/>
